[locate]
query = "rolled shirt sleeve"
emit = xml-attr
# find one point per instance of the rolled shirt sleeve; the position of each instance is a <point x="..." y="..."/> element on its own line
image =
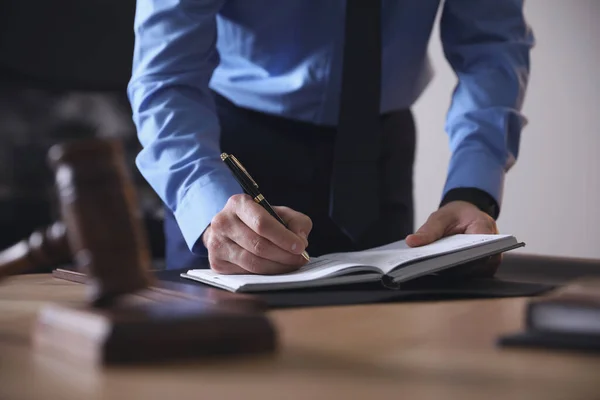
<point x="174" y="113"/>
<point x="487" y="43"/>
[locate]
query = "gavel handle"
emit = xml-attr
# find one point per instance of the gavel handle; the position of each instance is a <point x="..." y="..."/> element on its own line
<point x="43" y="249"/>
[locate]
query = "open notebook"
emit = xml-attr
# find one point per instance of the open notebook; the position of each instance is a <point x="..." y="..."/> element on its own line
<point x="392" y="263"/>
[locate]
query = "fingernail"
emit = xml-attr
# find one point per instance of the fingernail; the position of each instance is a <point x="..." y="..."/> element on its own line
<point x="298" y="248"/>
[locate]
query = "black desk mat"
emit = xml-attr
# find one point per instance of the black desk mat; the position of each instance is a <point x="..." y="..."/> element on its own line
<point x="428" y="288"/>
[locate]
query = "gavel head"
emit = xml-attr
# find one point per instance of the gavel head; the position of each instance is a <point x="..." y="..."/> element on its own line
<point x="100" y="212"/>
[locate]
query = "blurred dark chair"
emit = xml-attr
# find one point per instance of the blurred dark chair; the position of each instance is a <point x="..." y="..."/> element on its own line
<point x="64" y="68"/>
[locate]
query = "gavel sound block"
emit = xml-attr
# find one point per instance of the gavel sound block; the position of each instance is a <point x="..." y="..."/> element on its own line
<point x="121" y="323"/>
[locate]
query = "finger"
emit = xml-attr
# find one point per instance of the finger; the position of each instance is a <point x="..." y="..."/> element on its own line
<point x="260" y="246"/>
<point x="297" y="222"/>
<point x="253" y="264"/>
<point x="261" y="222"/>
<point x="433" y="229"/>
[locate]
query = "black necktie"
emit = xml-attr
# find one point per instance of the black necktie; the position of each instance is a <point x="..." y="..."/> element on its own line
<point x="354" y="187"/>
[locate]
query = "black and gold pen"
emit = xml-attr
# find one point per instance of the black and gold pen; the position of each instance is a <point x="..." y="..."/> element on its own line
<point x="250" y="186"/>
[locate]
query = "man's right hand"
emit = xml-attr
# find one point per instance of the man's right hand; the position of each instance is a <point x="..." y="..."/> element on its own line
<point x="245" y="239"/>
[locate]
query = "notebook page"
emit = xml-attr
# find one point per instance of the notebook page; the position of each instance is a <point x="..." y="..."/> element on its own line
<point x="389" y="256"/>
<point x="317" y="268"/>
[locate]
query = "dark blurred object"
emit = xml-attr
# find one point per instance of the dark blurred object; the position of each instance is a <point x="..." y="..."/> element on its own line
<point x="64" y="68"/>
<point x="567" y="318"/>
<point x="573" y="308"/>
<point x="555" y="270"/>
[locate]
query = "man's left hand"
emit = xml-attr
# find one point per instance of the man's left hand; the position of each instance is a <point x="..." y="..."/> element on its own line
<point x="453" y="218"/>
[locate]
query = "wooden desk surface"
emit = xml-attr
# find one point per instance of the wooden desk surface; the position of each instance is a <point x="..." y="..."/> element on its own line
<point x="412" y="350"/>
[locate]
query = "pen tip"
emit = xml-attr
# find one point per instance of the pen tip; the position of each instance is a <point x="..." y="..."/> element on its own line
<point x="306" y="256"/>
<point x="224" y="156"/>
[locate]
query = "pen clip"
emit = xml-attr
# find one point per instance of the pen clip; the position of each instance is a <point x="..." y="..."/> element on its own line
<point x="240" y="166"/>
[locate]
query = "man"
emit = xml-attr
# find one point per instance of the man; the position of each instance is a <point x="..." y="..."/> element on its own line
<point x="314" y="98"/>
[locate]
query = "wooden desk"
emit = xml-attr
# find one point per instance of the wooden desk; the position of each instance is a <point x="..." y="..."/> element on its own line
<point x="412" y="350"/>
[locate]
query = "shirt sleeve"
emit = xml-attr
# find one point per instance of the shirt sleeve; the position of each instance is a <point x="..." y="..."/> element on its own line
<point x="174" y="113"/>
<point x="487" y="43"/>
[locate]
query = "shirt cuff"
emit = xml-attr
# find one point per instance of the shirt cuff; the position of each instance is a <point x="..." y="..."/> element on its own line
<point x="200" y="204"/>
<point x="476" y="169"/>
<point x="477" y="197"/>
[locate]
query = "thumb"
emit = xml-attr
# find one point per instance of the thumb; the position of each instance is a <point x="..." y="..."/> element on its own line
<point x="432" y="230"/>
<point x="297" y="222"/>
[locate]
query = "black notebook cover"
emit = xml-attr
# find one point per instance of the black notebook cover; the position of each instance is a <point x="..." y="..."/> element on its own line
<point x="430" y="287"/>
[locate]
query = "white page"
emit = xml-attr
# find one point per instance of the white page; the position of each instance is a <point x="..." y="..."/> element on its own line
<point x="389" y="256"/>
<point x="317" y="268"/>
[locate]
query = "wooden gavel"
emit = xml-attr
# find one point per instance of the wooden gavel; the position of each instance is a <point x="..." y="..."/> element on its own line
<point x="101" y="233"/>
<point x="99" y="227"/>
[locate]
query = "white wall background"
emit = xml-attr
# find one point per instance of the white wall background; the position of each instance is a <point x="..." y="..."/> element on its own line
<point x="552" y="194"/>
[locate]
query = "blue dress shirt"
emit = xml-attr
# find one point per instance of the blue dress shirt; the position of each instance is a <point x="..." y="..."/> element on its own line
<point x="284" y="57"/>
